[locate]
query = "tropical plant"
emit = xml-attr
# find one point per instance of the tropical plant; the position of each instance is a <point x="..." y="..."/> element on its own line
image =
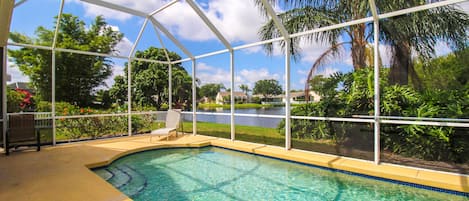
<point x="406" y="34"/>
<point x="14" y="100"/>
<point x="76" y="75"/>
<point x="244" y="88"/>
<point x="345" y="95"/>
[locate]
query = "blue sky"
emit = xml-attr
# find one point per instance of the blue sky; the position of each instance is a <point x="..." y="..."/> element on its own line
<point x="238" y="21"/>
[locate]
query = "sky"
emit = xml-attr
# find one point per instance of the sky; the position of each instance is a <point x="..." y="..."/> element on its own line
<point x="238" y="21"/>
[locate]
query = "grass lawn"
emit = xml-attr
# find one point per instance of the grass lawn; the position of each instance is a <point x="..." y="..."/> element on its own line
<point x="245" y="133"/>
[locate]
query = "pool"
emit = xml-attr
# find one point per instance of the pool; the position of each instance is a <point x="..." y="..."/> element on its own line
<point x="213" y="173"/>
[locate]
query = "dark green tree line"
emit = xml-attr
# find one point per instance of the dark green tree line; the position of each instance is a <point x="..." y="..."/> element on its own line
<point x="76" y="75"/>
<point x="150" y="81"/>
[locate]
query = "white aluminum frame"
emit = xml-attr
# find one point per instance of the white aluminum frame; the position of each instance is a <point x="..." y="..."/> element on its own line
<point x="4" y="94"/>
<point x="376" y="119"/>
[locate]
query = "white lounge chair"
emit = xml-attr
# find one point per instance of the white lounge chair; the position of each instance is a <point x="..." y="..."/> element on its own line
<point x="173" y="118"/>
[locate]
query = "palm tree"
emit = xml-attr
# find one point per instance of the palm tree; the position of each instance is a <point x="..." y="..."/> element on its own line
<point x="405" y="34"/>
<point x="245" y="89"/>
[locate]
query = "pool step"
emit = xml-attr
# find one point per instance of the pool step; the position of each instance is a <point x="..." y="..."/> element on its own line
<point x="120" y="178"/>
<point x="104" y="173"/>
<point x="126" y="179"/>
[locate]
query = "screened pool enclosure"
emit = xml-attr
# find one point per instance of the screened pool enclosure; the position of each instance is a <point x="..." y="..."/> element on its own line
<point x="382" y="81"/>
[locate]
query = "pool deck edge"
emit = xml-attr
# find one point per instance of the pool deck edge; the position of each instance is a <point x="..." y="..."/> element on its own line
<point x="63" y="172"/>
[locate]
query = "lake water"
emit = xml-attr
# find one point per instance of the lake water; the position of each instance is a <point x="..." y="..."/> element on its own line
<point x="247" y="121"/>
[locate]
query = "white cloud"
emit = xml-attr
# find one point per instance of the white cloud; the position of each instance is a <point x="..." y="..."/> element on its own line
<point x="253" y="75"/>
<point x="204" y="67"/>
<point x="237" y="20"/>
<point x="146" y="6"/>
<point x="209" y="74"/>
<point x="124" y="47"/>
<point x="116" y="70"/>
<point x="311" y="51"/>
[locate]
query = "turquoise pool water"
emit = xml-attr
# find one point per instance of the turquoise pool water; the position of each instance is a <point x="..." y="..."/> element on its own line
<point x="212" y="173"/>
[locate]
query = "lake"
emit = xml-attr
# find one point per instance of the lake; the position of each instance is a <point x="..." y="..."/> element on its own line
<point x="247" y="121"/>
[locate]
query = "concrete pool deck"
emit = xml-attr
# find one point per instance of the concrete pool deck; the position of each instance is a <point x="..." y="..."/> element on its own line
<point x="62" y="172"/>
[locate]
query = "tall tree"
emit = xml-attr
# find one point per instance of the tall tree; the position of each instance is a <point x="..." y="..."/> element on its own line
<point x="210" y="90"/>
<point x="267" y="88"/>
<point x="76" y="75"/>
<point x="244" y="88"/>
<point x="418" y="32"/>
<point x="150" y="80"/>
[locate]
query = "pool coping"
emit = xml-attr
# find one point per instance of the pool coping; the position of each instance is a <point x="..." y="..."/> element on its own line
<point x="101" y="153"/>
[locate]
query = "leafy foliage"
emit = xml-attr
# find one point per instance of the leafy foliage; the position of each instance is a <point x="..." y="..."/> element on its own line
<point x="405" y="34"/>
<point x="267" y="88"/>
<point x="210" y="90"/>
<point x="14" y="99"/>
<point x="150" y="81"/>
<point x="346" y="95"/>
<point x="76" y="75"/>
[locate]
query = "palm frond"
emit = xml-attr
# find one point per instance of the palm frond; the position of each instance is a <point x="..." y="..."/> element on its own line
<point x="335" y="51"/>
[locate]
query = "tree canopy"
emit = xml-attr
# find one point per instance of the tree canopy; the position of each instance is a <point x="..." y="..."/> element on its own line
<point x="405" y="34"/>
<point x="267" y="87"/>
<point x="244" y="88"/>
<point x="150" y="81"/>
<point x="210" y="90"/>
<point x="77" y="75"/>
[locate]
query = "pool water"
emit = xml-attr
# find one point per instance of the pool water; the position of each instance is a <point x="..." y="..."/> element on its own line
<point x="213" y="173"/>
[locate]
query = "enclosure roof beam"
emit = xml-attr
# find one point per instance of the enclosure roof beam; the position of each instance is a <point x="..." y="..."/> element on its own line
<point x="6" y="11"/>
<point x="171" y="37"/>
<point x="116" y="7"/>
<point x="163" y="7"/>
<point x="144" y="15"/>
<point x="276" y="20"/>
<point x="139" y="36"/>
<point x="374" y="11"/>
<point x="210" y="25"/>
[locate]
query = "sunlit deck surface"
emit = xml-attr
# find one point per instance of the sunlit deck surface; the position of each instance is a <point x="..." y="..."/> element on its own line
<point x="62" y="172"/>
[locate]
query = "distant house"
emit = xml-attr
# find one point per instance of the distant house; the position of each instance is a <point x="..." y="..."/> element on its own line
<point x="295" y="98"/>
<point x="224" y="97"/>
<point x="299" y="97"/>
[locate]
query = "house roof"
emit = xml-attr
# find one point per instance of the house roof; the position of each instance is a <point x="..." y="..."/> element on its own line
<point x="228" y="93"/>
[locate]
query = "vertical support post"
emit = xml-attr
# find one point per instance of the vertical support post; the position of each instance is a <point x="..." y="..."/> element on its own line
<point x="283" y="31"/>
<point x="129" y="97"/>
<point x="4" y="92"/>
<point x="194" y="102"/>
<point x="377" y="103"/>
<point x="54" y="126"/>
<point x="170" y="83"/>
<point x="287" y="96"/>
<point x="377" y="147"/>
<point x="129" y="78"/>
<point x="232" y="105"/>
<point x="53" y="73"/>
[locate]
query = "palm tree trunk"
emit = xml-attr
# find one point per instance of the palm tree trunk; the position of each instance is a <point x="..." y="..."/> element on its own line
<point x="401" y="64"/>
<point x="358" y="46"/>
